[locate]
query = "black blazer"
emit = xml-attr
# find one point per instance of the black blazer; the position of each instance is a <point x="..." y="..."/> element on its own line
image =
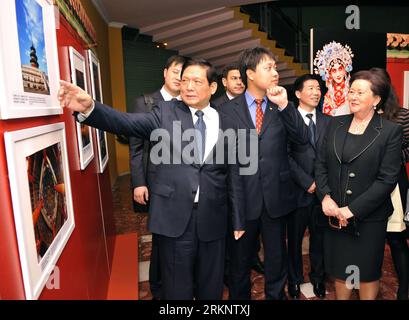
<point x="142" y="170"/>
<point x="369" y="176"/>
<point x="302" y="161"/>
<point x="272" y="183"/>
<point x="173" y="191"/>
<point x="220" y="100"/>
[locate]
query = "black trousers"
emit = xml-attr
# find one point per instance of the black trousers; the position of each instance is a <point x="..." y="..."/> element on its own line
<point x="275" y="258"/>
<point x="298" y="221"/>
<point x="191" y="268"/>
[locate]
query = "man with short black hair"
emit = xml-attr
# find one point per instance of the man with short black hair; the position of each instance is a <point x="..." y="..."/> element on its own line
<point x="232" y="83"/>
<point x="266" y="114"/>
<point x="188" y="199"/>
<point x="302" y="159"/>
<point x="142" y="170"/>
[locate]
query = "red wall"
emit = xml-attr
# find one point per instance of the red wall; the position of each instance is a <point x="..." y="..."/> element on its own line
<point x="396" y="68"/>
<point x="86" y="260"/>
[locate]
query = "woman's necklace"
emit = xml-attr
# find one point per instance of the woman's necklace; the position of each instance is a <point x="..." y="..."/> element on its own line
<point x="359" y="128"/>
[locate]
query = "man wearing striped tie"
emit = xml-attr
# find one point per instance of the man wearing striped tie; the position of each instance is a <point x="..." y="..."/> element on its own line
<point x="265" y="113"/>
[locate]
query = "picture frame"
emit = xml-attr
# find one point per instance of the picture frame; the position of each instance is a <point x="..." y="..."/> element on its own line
<point x="28" y="52"/>
<point x="406" y="89"/>
<point x="84" y="132"/>
<point x="42" y="200"/>
<point x="96" y="86"/>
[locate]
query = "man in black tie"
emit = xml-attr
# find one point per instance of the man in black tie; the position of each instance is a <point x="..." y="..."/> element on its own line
<point x="188" y="200"/>
<point x="302" y="160"/>
<point x="142" y="170"/>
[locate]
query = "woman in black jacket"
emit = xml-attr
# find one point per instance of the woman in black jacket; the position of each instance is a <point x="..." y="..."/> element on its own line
<point x="356" y="171"/>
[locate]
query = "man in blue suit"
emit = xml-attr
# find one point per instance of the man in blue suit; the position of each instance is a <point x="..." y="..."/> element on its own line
<point x="302" y="160"/>
<point x="188" y="199"/>
<point x="265" y="113"/>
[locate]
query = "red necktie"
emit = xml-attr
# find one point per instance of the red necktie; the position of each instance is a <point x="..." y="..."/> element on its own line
<point x="259" y="115"/>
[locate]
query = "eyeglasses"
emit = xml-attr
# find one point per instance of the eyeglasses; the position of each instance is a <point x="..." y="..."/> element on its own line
<point x="196" y="82"/>
<point x="360" y="94"/>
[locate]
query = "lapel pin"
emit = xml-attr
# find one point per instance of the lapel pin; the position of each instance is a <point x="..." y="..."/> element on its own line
<point x="271" y="108"/>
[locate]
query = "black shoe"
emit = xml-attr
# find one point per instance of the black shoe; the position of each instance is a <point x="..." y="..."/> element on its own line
<point x="319" y="289"/>
<point x="294" y="291"/>
<point x="258" y="266"/>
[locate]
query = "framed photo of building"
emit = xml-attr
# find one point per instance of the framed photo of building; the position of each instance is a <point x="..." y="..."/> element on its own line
<point x="42" y="202"/>
<point x="84" y="132"/>
<point x="29" y="74"/>
<point x="95" y="73"/>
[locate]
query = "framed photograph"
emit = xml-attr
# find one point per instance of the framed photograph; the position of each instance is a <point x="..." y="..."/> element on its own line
<point x="84" y="132"/>
<point x="29" y="74"/>
<point x="42" y="203"/>
<point x="406" y="89"/>
<point x="335" y="55"/>
<point x="96" y="87"/>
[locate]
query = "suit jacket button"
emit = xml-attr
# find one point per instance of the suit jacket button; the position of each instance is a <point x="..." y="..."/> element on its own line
<point x="352" y="175"/>
<point x="349" y="192"/>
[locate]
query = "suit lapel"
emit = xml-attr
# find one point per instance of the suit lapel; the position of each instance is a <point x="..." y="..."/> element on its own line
<point x="321" y="126"/>
<point x="340" y="135"/>
<point x="157" y="97"/>
<point x="268" y="116"/>
<point x="243" y="112"/>
<point x="371" y="133"/>
<point x="185" y="117"/>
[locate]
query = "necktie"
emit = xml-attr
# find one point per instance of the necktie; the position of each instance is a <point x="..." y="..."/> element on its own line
<point x="311" y="126"/>
<point x="259" y="115"/>
<point x="174" y="99"/>
<point x="201" y="126"/>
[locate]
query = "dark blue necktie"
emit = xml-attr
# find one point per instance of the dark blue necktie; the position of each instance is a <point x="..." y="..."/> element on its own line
<point x="201" y="126"/>
<point x="312" y="128"/>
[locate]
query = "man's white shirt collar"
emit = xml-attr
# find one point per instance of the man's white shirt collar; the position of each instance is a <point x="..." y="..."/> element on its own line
<point x="166" y="95"/>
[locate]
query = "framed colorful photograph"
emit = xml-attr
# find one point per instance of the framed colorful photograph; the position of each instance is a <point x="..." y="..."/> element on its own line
<point x="42" y="202"/>
<point x="95" y="72"/>
<point x="335" y="55"/>
<point x="84" y="132"/>
<point x="29" y="74"/>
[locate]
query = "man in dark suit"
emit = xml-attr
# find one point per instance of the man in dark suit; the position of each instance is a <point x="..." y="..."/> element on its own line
<point x="232" y="83"/>
<point x="142" y="170"/>
<point x="188" y="200"/>
<point x="302" y="159"/>
<point x="265" y="114"/>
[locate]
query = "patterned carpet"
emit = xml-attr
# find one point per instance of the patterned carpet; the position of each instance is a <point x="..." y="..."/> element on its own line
<point x="126" y="221"/>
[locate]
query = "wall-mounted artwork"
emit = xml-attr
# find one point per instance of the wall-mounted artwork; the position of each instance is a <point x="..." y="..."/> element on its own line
<point x="406" y="89"/>
<point x="95" y="72"/>
<point x="84" y="132"/>
<point x="29" y="73"/>
<point x="336" y="54"/>
<point x="42" y="202"/>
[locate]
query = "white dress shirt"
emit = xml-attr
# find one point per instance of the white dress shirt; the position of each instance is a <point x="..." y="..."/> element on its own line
<point x="211" y="119"/>
<point x="304" y="115"/>
<point x="166" y="95"/>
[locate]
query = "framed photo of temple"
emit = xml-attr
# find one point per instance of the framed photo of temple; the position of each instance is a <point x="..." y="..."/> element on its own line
<point x="95" y="73"/>
<point x="336" y="54"/>
<point x="29" y="71"/>
<point x="42" y="201"/>
<point x="84" y="132"/>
